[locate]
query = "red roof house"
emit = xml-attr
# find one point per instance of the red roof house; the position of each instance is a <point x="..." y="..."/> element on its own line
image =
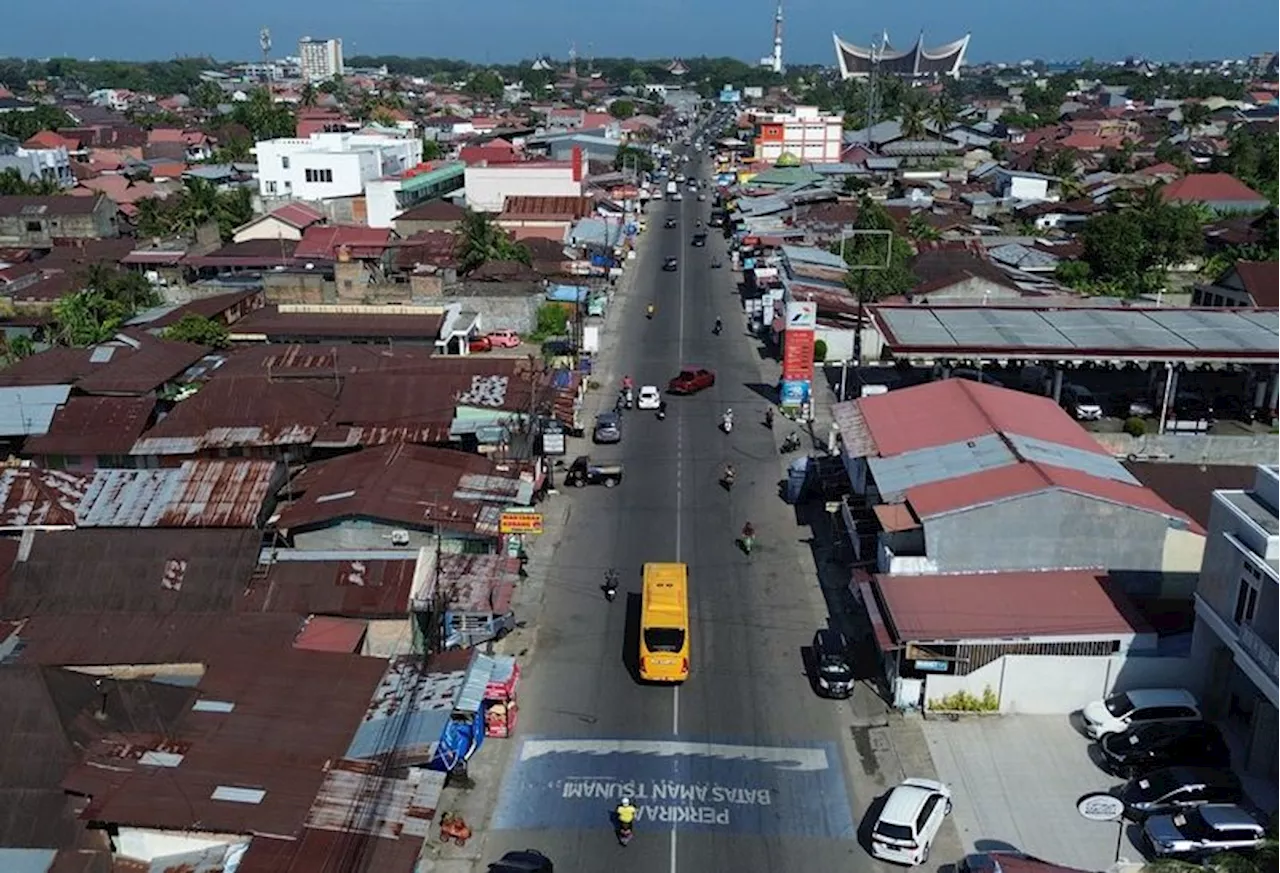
<point x="325" y="242"/>
<point x="1221" y="192"/>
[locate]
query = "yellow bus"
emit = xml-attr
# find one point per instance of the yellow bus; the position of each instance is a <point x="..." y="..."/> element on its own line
<point x="664" y="623"/>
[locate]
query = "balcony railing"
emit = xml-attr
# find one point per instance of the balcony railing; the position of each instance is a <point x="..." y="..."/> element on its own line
<point x="1259" y="649"/>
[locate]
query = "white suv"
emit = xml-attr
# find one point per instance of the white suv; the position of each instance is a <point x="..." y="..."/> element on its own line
<point x="911" y="818"/>
<point x="1119" y="712"/>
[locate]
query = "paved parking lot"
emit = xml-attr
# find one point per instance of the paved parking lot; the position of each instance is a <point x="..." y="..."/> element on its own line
<point x="1016" y="780"/>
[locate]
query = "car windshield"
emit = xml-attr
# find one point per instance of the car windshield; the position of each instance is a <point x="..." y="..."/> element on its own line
<point x="664" y="639"/>
<point x="834" y="666"/>
<point x="1118" y="704"/>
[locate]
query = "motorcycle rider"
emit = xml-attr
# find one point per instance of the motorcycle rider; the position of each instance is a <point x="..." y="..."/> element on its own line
<point x="719" y="326"/>
<point x="727" y="421"/>
<point x="610" y="583"/>
<point x="649" y="311"/>
<point x="768" y="418"/>
<point x="748" y="536"/>
<point x="626" y="815"/>
<point x="729" y="474"/>
<point x="627" y="384"/>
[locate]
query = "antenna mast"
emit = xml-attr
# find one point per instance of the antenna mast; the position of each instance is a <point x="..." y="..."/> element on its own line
<point x="264" y="42"/>
<point x="873" y="81"/>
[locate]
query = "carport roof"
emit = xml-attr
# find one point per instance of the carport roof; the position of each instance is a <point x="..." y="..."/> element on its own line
<point x="1078" y="333"/>
<point x="1009" y="605"/>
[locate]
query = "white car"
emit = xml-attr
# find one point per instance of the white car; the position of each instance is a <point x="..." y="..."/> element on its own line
<point x="650" y="398"/>
<point x="912" y="816"/>
<point x="1119" y="712"/>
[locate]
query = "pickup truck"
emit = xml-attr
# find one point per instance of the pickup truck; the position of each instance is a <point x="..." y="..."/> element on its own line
<point x="691" y="381"/>
<point x="583" y="471"/>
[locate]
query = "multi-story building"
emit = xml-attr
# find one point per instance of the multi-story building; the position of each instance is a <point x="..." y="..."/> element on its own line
<point x="320" y="59"/>
<point x="1235" y="638"/>
<point x="327" y="165"/>
<point x="33" y="165"/>
<point x="489" y="185"/>
<point x="389" y="196"/>
<point x="806" y="133"/>
<point x="42" y="222"/>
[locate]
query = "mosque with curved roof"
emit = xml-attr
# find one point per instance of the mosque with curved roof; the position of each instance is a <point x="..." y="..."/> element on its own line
<point x="917" y="62"/>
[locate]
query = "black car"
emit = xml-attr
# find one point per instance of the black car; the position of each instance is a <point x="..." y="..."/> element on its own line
<point x="833" y="669"/>
<point x="699" y="239"/>
<point x="524" y="861"/>
<point x="1153" y="746"/>
<point x="670" y="264"/>
<point x="670" y="222"/>
<point x="1176" y="788"/>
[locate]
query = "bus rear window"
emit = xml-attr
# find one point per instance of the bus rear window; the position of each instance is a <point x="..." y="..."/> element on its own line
<point x="664" y="639"/>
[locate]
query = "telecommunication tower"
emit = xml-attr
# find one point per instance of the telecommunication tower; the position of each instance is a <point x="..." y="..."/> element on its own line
<point x="873" y="80"/>
<point x="264" y="42"/>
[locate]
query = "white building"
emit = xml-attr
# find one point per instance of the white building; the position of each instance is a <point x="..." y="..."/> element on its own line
<point x="326" y="165"/>
<point x="320" y="59"/>
<point x="1026" y="186"/>
<point x="808" y="134"/>
<point x="488" y="187"/>
<point x="53" y="164"/>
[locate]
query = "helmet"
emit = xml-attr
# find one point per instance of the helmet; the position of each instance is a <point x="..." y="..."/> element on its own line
<point x="626" y="801"/>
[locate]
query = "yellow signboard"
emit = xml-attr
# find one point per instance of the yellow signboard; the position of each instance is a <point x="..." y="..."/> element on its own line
<point x="520" y="523"/>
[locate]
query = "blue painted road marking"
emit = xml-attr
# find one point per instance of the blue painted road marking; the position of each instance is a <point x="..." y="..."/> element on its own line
<point x="572" y="784"/>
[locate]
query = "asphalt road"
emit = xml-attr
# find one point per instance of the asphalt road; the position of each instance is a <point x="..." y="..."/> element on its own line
<point x="740" y="768"/>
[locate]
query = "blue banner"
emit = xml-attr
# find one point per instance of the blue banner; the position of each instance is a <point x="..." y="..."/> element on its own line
<point x="795" y="392"/>
<point x="573" y="784"/>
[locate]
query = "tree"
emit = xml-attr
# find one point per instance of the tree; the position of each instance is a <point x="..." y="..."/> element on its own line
<point x="264" y="117"/>
<point x="1195" y="116"/>
<point x="24" y="125"/>
<point x="11" y="183"/>
<point x="308" y="95"/>
<point x="432" y="150"/>
<point x="87" y="318"/>
<point x="1063" y="163"/>
<point x="1252" y="158"/>
<point x="869" y="277"/>
<point x="1130" y="251"/>
<point x="631" y="157"/>
<point x="18" y="347"/>
<point x="207" y="95"/>
<point x="199" y="330"/>
<point x="913" y="126"/>
<point x="485" y="84"/>
<point x="942" y="112"/>
<point x="919" y="229"/>
<point x="484" y="241"/>
<point x="235" y="150"/>
<point x="638" y="78"/>
<point x="622" y="109"/>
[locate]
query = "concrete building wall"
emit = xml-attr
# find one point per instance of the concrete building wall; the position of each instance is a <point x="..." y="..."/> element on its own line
<point x="1051" y="684"/>
<point x="1048" y="529"/>
<point x="1192" y="448"/>
<point x="488" y="187"/>
<point x="268" y="228"/>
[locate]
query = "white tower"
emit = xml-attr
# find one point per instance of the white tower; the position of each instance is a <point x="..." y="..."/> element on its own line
<point x="776" y="66"/>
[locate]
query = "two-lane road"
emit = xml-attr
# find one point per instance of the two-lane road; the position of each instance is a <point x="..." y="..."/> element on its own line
<point x="740" y="768"/>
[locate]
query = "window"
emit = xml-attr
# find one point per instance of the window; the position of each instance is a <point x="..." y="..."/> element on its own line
<point x="34" y="227"/>
<point x="271" y="187"/>
<point x="284" y="162"/>
<point x="1247" y="596"/>
<point x="319" y="175"/>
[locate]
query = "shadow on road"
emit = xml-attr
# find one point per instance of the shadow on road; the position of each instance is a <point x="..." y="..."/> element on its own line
<point x="868" y="822"/>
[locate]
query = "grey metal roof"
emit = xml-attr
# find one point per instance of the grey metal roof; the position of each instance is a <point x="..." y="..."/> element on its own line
<point x="1058" y="455"/>
<point x="813" y="255"/>
<point x="762" y="205"/>
<point x="29" y="410"/>
<point x="408" y="712"/>
<point x="27" y="860"/>
<point x="1078" y="332"/>
<point x="471" y="695"/>
<point x="896" y="474"/>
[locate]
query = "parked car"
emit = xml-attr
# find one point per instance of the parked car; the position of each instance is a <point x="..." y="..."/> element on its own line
<point x="670" y="264"/>
<point x="649" y="397"/>
<point x="1205" y="830"/>
<point x="524" y="861"/>
<point x="832" y="665"/>
<point x="691" y="381"/>
<point x="503" y="339"/>
<point x="479" y="344"/>
<point x="1080" y="402"/>
<point x="912" y="816"/>
<point x="702" y="197"/>
<point x="1150" y="747"/>
<point x="1176" y="788"/>
<point x="1121" y="711"/>
<point x="608" y="428"/>
<point x="583" y="472"/>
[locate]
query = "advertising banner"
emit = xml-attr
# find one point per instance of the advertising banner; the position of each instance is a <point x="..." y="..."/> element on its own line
<point x="794" y="393"/>
<point x="797" y="355"/>
<point x="802" y="315"/>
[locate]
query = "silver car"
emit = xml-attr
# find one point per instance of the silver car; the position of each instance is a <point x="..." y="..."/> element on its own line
<point x="1201" y="831"/>
<point x="608" y="428"/>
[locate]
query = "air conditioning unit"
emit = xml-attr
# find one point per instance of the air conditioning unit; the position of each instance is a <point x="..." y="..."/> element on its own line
<point x="399" y="537"/>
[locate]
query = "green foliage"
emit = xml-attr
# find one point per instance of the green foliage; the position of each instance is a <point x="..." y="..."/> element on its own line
<point x="1168" y="153"/>
<point x="1134" y="426"/>
<point x="874" y="280"/>
<point x="484" y="241"/>
<point x="180" y="75"/>
<point x="819" y="351"/>
<point x="550" y="321"/>
<point x="963" y="701"/>
<point x="263" y="117"/>
<point x="11" y="183"/>
<point x="1176" y="85"/>
<point x="199" y="330"/>
<point x="198" y="202"/>
<point x="630" y="156"/>
<point x="1130" y="251"/>
<point x="622" y="109"/>
<point x="485" y="84"/>
<point x="1073" y="274"/>
<point x="1253" y="159"/>
<point x="432" y="150"/>
<point x="24" y="125"/>
<point x="110" y="297"/>
<point x="16" y="348"/>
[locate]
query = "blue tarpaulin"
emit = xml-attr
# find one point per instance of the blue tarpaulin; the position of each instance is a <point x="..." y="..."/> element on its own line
<point x="568" y="293"/>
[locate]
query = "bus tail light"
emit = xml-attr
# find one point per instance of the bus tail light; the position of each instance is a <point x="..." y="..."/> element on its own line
<point x="684" y="665"/>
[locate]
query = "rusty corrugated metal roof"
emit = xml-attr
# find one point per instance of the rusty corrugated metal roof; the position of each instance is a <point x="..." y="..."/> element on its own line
<point x="355" y="587"/>
<point x="93" y="426"/>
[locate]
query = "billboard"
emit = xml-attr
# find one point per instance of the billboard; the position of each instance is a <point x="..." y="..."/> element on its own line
<point x="794" y="393"/>
<point x="797" y="355"/>
<point x="802" y="315"/>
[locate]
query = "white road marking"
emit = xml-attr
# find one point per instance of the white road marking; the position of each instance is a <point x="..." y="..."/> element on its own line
<point x="675" y="691"/>
<point x="794" y="758"/>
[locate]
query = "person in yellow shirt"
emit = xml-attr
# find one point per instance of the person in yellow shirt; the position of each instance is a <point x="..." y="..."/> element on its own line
<point x="626" y="814"/>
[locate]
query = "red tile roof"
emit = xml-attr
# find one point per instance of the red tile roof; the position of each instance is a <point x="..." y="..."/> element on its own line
<point x="1211" y="188"/>
<point x="1162" y="169"/>
<point x="1015" y="605"/>
<point x="325" y="633"/>
<point x="957" y="410"/>
<point x="1262" y="280"/>
<point x="322" y="242"/>
<point x="48" y="139"/>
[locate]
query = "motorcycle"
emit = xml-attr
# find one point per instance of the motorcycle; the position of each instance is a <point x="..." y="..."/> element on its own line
<point x="726" y="423"/>
<point x="610" y="585"/>
<point x="628" y="398"/>
<point x="662" y="411"/>
<point x="748" y="538"/>
<point x="719" y="327"/>
<point x="791" y="443"/>
<point x="625" y="832"/>
<point x="727" y="479"/>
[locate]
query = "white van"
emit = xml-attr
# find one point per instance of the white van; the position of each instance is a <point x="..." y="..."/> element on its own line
<point x="1119" y="712"/>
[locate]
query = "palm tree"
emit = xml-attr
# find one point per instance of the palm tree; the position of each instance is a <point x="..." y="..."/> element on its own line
<point x="1195" y="116"/>
<point x="484" y="241"/>
<point x="943" y="114"/>
<point x="307" y="97"/>
<point x="197" y="205"/>
<point x="913" y="119"/>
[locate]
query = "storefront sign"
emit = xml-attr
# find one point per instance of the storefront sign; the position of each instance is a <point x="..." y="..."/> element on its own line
<point x="520" y="523"/>
<point x="797" y="355"/>
<point x="794" y="393"/>
<point x="802" y="314"/>
<point x="1100" y="806"/>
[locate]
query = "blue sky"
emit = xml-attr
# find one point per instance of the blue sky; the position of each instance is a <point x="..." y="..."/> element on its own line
<point x="507" y="30"/>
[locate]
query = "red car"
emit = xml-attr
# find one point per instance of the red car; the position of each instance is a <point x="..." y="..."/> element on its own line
<point x="691" y="381"/>
<point x="479" y="344"/>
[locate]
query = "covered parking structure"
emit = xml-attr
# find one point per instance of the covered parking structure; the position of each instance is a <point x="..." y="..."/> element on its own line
<point x="1063" y="338"/>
